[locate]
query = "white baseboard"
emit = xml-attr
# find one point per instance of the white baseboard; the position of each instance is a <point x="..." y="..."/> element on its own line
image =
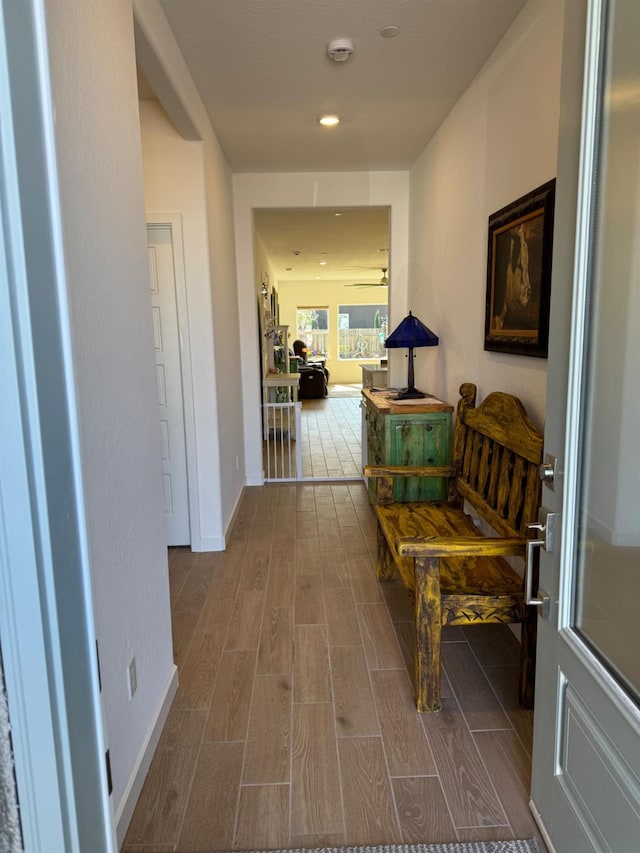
<point x="234" y="513"/>
<point x="218" y="543"/>
<point x="124" y="812"/>
<point x="626" y="538"/>
<point x="209" y="543"/>
<point x="540" y="824"/>
<point x="614" y="536"/>
<point x="600" y="529"/>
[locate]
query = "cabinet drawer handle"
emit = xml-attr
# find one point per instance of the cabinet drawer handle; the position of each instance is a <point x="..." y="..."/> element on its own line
<point x="428" y="427"/>
<point x="430" y="460"/>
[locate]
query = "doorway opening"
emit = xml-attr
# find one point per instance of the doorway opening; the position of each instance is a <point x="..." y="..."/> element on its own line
<point x="324" y="279"/>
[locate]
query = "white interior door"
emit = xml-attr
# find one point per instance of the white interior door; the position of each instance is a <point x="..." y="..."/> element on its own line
<point x="586" y="761"/>
<point x="169" y="382"/>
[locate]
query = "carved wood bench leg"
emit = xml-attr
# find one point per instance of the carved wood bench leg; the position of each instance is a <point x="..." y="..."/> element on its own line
<point x="428" y="628"/>
<point x="528" y="658"/>
<point x="384" y="565"/>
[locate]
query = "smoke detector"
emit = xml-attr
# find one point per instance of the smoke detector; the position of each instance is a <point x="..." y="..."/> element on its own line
<point x="340" y="49"/>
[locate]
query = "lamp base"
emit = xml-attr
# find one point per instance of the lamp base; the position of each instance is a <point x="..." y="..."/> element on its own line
<point x="411" y="394"/>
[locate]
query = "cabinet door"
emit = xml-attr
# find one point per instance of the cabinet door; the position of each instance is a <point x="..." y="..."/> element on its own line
<point x="420" y="440"/>
<point x="375" y="445"/>
<point x="375" y="438"/>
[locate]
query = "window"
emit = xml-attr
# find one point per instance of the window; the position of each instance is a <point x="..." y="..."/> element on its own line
<point x="312" y="327"/>
<point x="362" y="330"/>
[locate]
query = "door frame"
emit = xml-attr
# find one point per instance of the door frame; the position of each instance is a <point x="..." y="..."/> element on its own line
<point x="173" y="221"/>
<point x="557" y="639"/>
<point x="47" y="629"/>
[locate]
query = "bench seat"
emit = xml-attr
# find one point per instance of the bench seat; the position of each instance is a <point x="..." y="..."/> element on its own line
<point x="456" y="573"/>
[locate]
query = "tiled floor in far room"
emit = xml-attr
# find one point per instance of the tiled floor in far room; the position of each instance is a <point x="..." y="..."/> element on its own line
<point x="294" y="724"/>
<point x="331" y="436"/>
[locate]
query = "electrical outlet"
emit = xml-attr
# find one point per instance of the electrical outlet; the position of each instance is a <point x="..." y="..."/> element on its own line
<point x="132" y="680"/>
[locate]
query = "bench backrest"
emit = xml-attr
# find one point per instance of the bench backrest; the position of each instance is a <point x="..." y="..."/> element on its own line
<point x="496" y="455"/>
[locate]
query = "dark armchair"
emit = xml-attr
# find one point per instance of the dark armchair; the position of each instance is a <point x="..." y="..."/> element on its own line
<point x="313" y="377"/>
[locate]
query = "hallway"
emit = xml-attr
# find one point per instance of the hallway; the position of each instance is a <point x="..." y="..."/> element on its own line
<point x="294" y="723"/>
<point x="331" y="440"/>
<point x="332" y="436"/>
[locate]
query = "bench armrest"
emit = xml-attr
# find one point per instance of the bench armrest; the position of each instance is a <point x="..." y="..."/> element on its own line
<point x="460" y="546"/>
<point x="408" y="471"/>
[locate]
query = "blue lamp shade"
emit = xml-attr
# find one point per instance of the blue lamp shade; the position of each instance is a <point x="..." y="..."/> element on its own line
<point x="411" y="333"/>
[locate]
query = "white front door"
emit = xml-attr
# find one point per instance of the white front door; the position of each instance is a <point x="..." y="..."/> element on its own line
<point x="169" y="381"/>
<point x="586" y="761"/>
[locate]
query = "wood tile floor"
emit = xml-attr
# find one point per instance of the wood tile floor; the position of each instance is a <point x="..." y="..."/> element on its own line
<point x="331" y="437"/>
<point x="294" y="723"/>
<point x="330" y="432"/>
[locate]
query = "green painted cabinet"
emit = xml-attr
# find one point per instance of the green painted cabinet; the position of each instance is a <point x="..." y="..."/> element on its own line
<point x="416" y="432"/>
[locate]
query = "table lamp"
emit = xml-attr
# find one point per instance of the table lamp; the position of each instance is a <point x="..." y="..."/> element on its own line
<point x="411" y="333"/>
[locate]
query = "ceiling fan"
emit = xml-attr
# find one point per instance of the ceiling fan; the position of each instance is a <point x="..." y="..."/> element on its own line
<point x="384" y="281"/>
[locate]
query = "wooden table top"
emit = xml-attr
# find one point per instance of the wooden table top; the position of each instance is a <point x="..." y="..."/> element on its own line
<point x="384" y="401"/>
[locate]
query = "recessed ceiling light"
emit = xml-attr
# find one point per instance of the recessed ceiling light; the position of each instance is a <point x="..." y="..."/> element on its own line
<point x="317" y="277"/>
<point x="323" y="263"/>
<point x="337" y="214"/>
<point x="389" y="32"/>
<point x="329" y="121"/>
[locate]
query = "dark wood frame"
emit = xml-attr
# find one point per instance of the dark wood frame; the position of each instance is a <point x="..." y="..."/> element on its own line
<point x="513" y="325"/>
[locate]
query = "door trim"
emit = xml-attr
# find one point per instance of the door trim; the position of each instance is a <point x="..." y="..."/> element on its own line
<point x="46" y="616"/>
<point x="581" y="702"/>
<point x="583" y="261"/>
<point x="173" y="221"/>
<point x="586" y="202"/>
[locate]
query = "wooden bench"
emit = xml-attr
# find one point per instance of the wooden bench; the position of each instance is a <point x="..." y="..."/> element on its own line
<point x="457" y="573"/>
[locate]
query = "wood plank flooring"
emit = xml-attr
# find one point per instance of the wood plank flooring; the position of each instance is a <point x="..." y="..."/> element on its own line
<point x="331" y="437"/>
<point x="329" y="442"/>
<point x="294" y="723"/>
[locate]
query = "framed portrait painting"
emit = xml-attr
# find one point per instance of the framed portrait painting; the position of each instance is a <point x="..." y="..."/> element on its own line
<point x="519" y="274"/>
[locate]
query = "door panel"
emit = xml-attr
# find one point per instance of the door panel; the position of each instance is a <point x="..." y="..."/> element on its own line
<point x="586" y="761"/>
<point x="421" y="440"/>
<point x="169" y="382"/>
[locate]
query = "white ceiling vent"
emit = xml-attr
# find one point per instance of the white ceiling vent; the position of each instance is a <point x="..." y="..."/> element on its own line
<point x="340" y="49"/>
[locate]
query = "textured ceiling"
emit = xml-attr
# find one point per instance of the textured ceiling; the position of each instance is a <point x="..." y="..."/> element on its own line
<point x="263" y="73"/>
<point x="354" y="245"/>
<point x="262" y="70"/>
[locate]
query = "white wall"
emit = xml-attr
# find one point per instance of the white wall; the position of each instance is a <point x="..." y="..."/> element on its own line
<point x="265" y="272"/>
<point x="220" y="404"/>
<point x="324" y="189"/>
<point x="498" y="143"/>
<point x="100" y="172"/>
<point x="98" y="137"/>
<point x="263" y="266"/>
<point x="228" y="327"/>
<point x="173" y="182"/>
<point x="330" y="294"/>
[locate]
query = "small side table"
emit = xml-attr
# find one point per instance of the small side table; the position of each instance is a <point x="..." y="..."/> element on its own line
<point x="408" y="432"/>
